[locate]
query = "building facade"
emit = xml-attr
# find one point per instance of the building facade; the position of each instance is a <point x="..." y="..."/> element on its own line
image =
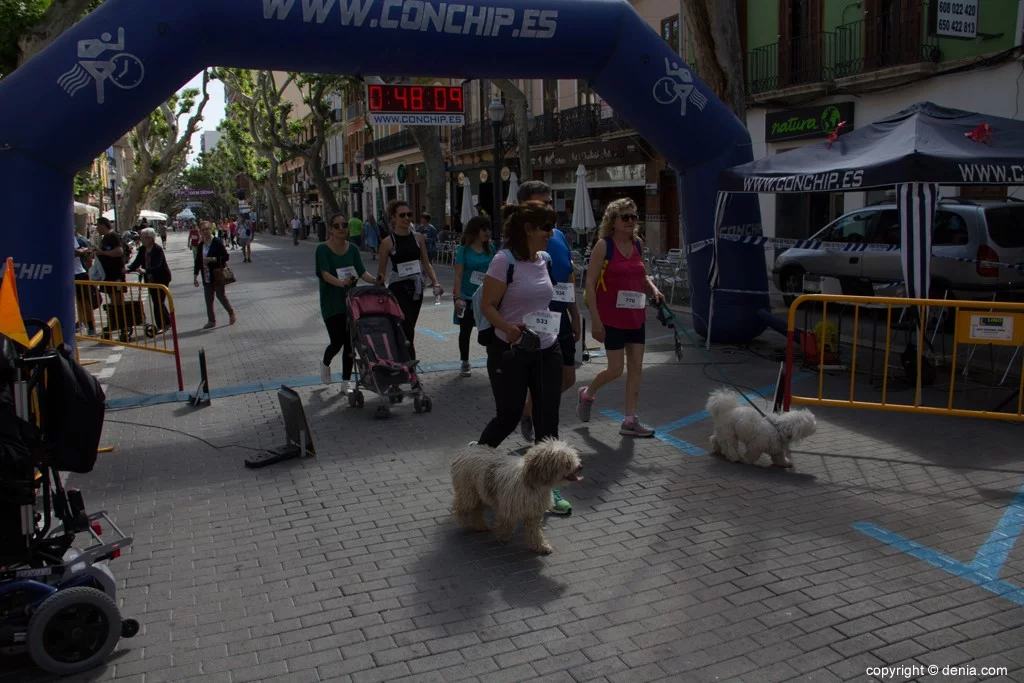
<point x="813" y="63"/>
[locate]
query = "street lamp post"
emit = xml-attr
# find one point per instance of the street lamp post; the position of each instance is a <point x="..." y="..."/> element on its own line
<point x="359" y="181"/>
<point x="496" y="111"/>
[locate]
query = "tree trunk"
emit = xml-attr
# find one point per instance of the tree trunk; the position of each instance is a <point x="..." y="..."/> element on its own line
<point x="327" y="198"/>
<point x="429" y="141"/>
<point x="715" y="30"/>
<point x="59" y="17"/>
<point x="517" y="100"/>
<point x="135" y="194"/>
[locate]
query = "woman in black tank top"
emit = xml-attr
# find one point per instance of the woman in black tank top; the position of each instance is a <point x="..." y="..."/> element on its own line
<point x="409" y="263"/>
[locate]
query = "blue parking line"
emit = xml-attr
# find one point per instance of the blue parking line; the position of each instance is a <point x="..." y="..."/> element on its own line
<point x="661" y="434"/>
<point x="430" y="333"/>
<point x="981" y="576"/>
<point x="993" y="552"/>
<point x="268" y="385"/>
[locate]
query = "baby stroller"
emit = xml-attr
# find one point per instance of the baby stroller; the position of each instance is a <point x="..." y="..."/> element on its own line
<point x="57" y="600"/>
<point x="383" y="362"/>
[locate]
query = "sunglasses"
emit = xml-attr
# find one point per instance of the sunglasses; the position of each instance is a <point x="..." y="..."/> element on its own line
<point x="340" y="226"/>
<point x="629" y="217"/>
<point x="404" y="214"/>
<point x="548" y="227"/>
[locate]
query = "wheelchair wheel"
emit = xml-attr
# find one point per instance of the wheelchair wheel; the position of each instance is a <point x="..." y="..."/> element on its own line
<point x="73" y="631"/>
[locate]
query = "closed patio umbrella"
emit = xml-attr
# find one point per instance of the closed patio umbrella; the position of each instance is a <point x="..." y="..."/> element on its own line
<point x="513" y="190"/>
<point x="467" y="202"/>
<point x="583" y="213"/>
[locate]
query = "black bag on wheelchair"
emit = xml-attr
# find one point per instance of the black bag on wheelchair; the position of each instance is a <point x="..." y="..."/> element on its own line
<point x="73" y="406"/>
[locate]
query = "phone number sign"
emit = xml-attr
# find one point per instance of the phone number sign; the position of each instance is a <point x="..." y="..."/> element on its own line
<point x="956" y="18"/>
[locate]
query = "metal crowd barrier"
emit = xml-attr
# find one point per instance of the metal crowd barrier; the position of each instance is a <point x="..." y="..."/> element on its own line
<point x="930" y="358"/>
<point x="129" y="314"/>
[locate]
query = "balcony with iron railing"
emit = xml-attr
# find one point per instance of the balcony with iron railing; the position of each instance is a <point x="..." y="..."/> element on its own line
<point x="856" y="51"/>
<point x="577" y="123"/>
<point x="396" y="142"/>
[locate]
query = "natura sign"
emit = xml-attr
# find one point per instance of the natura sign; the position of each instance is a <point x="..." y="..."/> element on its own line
<point x="809" y="122"/>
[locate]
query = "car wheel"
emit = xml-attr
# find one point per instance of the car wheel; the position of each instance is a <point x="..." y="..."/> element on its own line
<point x="792" y="280"/>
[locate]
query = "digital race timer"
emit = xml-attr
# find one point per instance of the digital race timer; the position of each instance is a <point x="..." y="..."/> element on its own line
<point x="416" y="104"/>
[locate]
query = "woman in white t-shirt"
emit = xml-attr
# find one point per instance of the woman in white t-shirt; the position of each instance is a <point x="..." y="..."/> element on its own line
<point x="516" y="296"/>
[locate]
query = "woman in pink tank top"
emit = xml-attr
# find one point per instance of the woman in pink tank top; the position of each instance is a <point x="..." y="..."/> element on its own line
<point x="617" y="290"/>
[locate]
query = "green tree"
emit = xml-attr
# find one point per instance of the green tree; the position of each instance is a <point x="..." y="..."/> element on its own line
<point x="27" y="26"/>
<point x="161" y="146"/>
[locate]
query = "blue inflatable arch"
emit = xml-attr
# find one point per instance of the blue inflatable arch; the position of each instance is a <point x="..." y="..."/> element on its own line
<point x="65" y="106"/>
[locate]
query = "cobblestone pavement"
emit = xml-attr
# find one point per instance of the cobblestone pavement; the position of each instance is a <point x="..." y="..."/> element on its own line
<point x="892" y="543"/>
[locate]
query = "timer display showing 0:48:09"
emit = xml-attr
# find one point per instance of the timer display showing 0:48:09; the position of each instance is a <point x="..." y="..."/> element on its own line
<point x="393" y="99"/>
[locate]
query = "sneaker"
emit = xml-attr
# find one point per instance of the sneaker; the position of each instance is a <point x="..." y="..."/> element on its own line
<point x="583" y="405"/>
<point x="526" y="427"/>
<point x="350" y="386"/>
<point x="465" y="372"/>
<point x="325" y="373"/>
<point x="560" y="506"/>
<point x="632" y="426"/>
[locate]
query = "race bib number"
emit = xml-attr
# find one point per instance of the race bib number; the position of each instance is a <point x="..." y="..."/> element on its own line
<point x="627" y="299"/>
<point x="477" y="277"/>
<point x="565" y="292"/>
<point x="546" y="322"/>
<point x="345" y="273"/>
<point x="408" y="268"/>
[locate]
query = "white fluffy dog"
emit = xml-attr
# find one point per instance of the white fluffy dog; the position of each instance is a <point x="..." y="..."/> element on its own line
<point x="518" y="489"/>
<point x="743" y="434"/>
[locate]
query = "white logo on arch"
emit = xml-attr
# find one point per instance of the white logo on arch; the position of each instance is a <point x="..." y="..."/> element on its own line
<point x="677" y="84"/>
<point x="121" y="68"/>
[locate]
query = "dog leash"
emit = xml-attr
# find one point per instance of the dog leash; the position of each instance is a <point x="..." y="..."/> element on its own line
<point x="668" y="319"/>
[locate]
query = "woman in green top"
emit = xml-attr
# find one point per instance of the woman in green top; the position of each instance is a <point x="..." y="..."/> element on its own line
<point x="471" y="261"/>
<point x="338" y="268"/>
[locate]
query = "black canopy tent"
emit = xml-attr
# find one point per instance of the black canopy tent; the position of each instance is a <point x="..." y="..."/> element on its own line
<point x="916" y="150"/>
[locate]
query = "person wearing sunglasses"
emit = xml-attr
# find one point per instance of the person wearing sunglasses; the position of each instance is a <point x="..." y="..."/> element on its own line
<point x="617" y="291"/>
<point x="523" y="354"/>
<point x="407" y="253"/>
<point x="338" y="268"/>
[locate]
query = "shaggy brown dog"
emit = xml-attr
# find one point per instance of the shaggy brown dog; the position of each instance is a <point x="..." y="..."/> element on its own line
<point x="519" y="489"/>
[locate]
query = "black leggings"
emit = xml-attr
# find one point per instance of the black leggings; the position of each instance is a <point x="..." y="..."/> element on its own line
<point x="466" y="325"/>
<point x="337" y="330"/>
<point x="404" y="292"/>
<point x="511" y="376"/>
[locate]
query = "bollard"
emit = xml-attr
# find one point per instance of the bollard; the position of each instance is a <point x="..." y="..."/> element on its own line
<point x="201" y="397"/>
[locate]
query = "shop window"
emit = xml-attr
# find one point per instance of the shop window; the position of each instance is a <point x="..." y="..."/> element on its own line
<point x="584" y="93"/>
<point x="550" y="96"/>
<point x="670" y="32"/>
<point x="997" y="192"/>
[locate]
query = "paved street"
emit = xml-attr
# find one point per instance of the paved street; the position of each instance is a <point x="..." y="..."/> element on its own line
<point x="893" y="542"/>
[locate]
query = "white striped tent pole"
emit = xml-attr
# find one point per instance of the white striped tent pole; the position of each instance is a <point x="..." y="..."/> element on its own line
<point x="917" y="214"/>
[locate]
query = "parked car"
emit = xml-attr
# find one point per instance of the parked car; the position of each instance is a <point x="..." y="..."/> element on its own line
<point x="984" y="230"/>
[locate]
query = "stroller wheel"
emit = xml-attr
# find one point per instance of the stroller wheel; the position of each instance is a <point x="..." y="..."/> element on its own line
<point x="73" y="631"/>
<point x="383" y="413"/>
<point x="427" y="405"/>
<point x="417" y="404"/>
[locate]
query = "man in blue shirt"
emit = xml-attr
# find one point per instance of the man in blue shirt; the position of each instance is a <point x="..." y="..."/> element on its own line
<point x="569" y="334"/>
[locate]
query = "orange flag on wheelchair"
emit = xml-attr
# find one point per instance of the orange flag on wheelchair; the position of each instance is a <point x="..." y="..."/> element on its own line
<point x="11" y="323"/>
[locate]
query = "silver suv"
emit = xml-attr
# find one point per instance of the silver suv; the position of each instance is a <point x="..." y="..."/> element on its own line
<point x="984" y="230"/>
